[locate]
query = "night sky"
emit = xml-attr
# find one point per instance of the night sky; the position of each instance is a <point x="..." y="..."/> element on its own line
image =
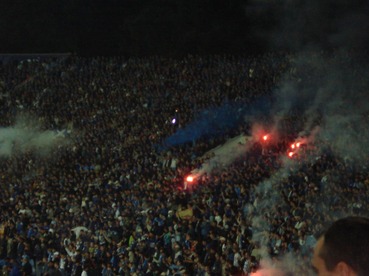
<point x="177" y="27"/>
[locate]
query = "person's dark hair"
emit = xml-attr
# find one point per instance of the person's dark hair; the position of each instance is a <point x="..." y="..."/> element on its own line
<point x="347" y="240"/>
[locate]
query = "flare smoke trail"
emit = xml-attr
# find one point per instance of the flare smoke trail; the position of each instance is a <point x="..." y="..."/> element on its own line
<point x="334" y="96"/>
<point x="223" y="155"/>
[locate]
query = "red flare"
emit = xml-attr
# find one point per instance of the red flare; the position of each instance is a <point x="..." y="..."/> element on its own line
<point x="189" y="178"/>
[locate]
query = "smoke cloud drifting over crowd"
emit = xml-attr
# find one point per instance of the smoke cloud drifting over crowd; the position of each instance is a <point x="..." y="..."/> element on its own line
<point x="328" y="90"/>
<point x="27" y="136"/>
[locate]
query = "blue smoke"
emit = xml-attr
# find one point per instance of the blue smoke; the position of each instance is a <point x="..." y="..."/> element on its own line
<point x="217" y="121"/>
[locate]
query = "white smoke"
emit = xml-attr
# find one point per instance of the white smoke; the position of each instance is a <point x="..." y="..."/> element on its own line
<point x="223" y="155"/>
<point x="26" y="136"/>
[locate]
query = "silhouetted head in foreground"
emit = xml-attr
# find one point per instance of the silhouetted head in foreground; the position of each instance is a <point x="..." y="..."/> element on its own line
<point x="344" y="248"/>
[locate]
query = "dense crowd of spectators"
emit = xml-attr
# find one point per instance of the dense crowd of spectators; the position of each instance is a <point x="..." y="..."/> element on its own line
<point x="103" y="200"/>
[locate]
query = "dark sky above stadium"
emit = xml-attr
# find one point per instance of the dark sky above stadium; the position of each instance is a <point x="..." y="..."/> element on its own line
<point x="174" y="27"/>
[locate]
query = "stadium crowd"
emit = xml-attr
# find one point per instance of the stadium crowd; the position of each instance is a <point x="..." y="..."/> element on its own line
<point x="104" y="199"/>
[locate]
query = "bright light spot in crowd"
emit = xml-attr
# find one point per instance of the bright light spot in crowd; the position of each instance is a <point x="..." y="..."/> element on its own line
<point x="292" y="146"/>
<point x="290" y="154"/>
<point x="265" y="137"/>
<point x="189" y="178"/>
<point x="173" y="121"/>
<point x="298" y="145"/>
